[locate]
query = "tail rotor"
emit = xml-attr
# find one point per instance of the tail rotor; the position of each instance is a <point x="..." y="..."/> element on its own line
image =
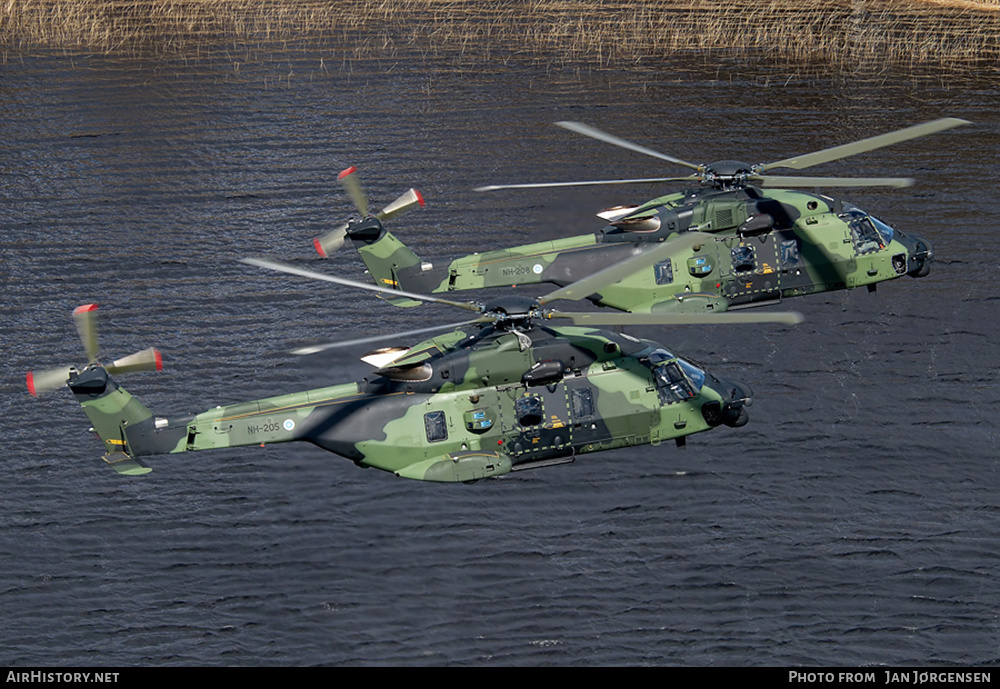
<point x="334" y="239"/>
<point x="85" y="316"/>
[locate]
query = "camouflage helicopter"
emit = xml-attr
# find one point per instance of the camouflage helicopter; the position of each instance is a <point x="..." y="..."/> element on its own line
<point x="503" y="391"/>
<point x="734" y="240"/>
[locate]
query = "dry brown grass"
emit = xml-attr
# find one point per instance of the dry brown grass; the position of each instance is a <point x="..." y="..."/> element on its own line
<point x="843" y="34"/>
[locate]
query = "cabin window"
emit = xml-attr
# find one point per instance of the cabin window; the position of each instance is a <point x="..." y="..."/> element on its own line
<point x="528" y="410"/>
<point x="436" y="426"/>
<point x="583" y="403"/>
<point x="663" y="272"/>
<point x="790" y="253"/>
<point x="743" y="259"/>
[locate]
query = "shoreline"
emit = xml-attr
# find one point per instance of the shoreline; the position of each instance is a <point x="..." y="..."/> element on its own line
<point x="845" y="36"/>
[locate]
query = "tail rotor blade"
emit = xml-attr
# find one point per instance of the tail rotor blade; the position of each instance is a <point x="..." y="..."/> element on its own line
<point x="349" y="180"/>
<point x="49" y="379"/>
<point x="146" y="360"/>
<point x="86" y="325"/>
<point x="404" y="203"/>
<point x="331" y="241"/>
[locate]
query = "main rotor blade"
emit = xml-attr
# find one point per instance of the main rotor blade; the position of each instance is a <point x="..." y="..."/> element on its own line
<point x="313" y="349"/>
<point x="590" y="183"/>
<point x="87" y="327"/>
<point x="595" y="133"/>
<point x="292" y="270"/>
<point x="722" y="318"/>
<point x="352" y="185"/>
<point x="792" y="181"/>
<point x="616" y="272"/>
<point x="865" y="145"/>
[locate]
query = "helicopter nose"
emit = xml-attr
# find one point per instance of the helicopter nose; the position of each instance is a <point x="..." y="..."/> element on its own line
<point x="921" y="255"/>
<point x="732" y="410"/>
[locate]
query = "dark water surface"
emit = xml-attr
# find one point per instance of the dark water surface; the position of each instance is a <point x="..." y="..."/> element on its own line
<point x="854" y="521"/>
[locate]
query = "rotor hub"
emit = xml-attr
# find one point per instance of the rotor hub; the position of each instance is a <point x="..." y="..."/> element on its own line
<point x="512" y="311"/>
<point x="726" y="174"/>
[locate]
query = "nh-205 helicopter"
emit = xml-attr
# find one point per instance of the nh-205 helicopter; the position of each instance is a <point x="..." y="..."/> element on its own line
<point x="503" y="391"/>
<point x="732" y="241"/>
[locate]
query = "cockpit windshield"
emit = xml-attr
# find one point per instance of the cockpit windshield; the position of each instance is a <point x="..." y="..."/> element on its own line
<point x="676" y="379"/>
<point x="887" y="232"/>
<point x="694" y="374"/>
<point x="868" y="232"/>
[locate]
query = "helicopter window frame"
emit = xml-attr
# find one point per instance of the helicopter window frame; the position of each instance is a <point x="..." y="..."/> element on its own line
<point x="673" y="382"/>
<point x="883" y="229"/>
<point x="663" y="272"/>
<point x="436" y="426"/>
<point x="744" y="258"/>
<point x="582" y="403"/>
<point x="790" y="253"/>
<point x="529" y="411"/>
<point x="868" y="234"/>
<point x="695" y="375"/>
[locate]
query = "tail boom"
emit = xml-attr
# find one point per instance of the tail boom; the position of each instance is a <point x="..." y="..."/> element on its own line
<point x="129" y="430"/>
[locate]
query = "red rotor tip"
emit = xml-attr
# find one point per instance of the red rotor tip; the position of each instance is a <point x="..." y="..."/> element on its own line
<point x="319" y="248"/>
<point x="420" y="197"/>
<point x="349" y="171"/>
<point x="31" y="384"/>
<point x="159" y="359"/>
<point x="85" y="308"/>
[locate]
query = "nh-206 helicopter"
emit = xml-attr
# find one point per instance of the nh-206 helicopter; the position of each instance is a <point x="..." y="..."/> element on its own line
<point x="732" y="241"/>
<point x="504" y="391"/>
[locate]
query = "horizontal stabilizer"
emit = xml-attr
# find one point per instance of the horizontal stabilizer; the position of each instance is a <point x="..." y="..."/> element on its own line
<point x="401" y="302"/>
<point x="126" y="465"/>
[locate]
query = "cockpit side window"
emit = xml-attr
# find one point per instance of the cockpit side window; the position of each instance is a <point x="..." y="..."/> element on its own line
<point x="869" y="234"/>
<point x="671" y="385"/>
<point x="676" y="379"/>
